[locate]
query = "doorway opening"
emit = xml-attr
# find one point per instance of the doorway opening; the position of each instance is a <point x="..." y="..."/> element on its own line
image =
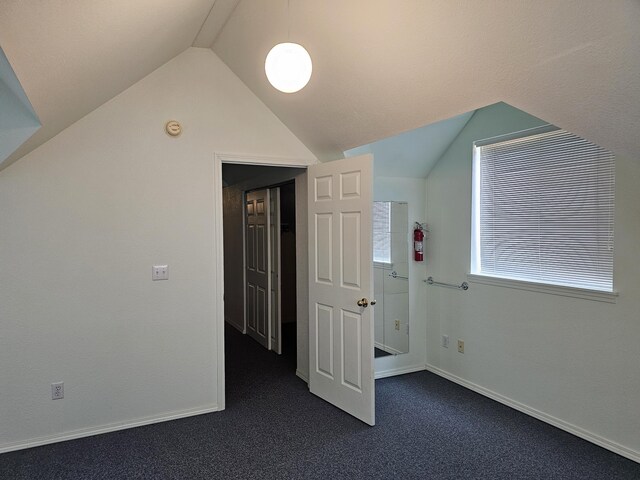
<point x="334" y="327"/>
<point x="260" y="273"/>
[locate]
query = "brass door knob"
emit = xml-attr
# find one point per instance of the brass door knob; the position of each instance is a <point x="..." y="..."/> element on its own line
<point x="363" y="302"/>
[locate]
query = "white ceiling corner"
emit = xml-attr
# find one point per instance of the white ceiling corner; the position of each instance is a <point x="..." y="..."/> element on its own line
<point x="71" y="56"/>
<point x="414" y="153"/>
<point x="215" y="21"/>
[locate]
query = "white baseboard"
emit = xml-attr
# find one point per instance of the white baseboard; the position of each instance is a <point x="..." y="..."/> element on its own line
<point x="238" y="327"/>
<point x="399" y="371"/>
<point x="302" y="376"/>
<point x="112" y="427"/>
<point x="551" y="420"/>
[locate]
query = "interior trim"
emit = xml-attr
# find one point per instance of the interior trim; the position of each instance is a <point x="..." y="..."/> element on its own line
<point x="110" y="427"/>
<point x="573" y="292"/>
<point x="302" y="376"/>
<point x="392" y="372"/>
<point x="218" y="246"/>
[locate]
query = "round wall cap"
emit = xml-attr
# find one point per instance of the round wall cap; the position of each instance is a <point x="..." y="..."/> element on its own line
<point x="173" y="128"/>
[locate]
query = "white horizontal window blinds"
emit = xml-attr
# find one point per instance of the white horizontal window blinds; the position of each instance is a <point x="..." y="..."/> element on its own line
<point x="382" y="232"/>
<point x="545" y="210"/>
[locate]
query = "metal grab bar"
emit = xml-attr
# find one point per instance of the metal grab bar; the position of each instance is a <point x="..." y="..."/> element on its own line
<point x="394" y="274"/>
<point x="462" y="286"/>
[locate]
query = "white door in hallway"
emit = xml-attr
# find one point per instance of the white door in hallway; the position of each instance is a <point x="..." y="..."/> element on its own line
<point x="341" y="333"/>
<point x="258" y="268"/>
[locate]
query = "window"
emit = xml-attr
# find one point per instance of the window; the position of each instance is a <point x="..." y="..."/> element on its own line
<point x="543" y="209"/>
<point x="382" y="232"/>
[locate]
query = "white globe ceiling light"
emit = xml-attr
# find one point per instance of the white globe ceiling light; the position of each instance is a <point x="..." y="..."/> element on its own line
<point x="288" y="67"/>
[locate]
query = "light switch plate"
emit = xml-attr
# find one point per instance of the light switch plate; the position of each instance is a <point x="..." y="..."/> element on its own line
<point x="160" y="272"/>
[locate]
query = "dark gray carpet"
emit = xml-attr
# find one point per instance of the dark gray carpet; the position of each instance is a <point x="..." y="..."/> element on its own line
<point x="428" y="428"/>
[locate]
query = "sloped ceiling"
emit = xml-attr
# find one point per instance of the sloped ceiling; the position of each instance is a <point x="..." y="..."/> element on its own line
<point x="413" y="154"/>
<point x="71" y="56"/>
<point x="18" y="121"/>
<point x="381" y="67"/>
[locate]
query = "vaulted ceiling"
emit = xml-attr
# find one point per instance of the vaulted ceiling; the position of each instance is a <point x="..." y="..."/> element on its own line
<point x="381" y="67"/>
<point x="71" y="56"/>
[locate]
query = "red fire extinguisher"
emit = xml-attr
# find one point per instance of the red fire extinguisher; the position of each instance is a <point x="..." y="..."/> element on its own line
<point x="418" y="243"/>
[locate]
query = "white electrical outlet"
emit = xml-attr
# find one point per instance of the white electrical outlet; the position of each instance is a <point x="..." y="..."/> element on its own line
<point x="57" y="390"/>
<point x="460" y="346"/>
<point x="160" y="272"/>
<point x="445" y="341"/>
<point x="397" y="324"/>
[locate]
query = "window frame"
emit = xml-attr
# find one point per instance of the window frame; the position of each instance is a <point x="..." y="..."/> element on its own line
<point x="476" y="276"/>
<point x="376" y="261"/>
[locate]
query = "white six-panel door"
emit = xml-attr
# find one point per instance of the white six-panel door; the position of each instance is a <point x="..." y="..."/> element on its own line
<point x="341" y="333"/>
<point x="258" y="270"/>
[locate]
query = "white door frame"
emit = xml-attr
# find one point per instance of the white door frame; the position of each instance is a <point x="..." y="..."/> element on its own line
<point x="218" y="245"/>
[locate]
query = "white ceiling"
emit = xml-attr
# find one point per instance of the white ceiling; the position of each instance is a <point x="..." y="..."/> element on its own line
<point x="381" y="67"/>
<point x="71" y="56"/>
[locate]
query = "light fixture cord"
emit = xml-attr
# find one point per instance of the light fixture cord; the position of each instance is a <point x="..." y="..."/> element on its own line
<point x="288" y="20"/>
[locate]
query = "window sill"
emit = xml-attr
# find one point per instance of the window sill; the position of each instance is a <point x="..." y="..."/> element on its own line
<point x="583" y="293"/>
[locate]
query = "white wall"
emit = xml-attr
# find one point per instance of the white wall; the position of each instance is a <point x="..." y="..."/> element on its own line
<point x="412" y="191"/>
<point x="569" y="361"/>
<point x="84" y="217"/>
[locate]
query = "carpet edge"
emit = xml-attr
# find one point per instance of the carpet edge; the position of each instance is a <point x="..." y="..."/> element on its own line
<point x="551" y="420"/>
<point x="110" y="427"/>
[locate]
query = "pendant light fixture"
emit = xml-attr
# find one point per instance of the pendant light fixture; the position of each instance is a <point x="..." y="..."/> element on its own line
<point x="288" y="65"/>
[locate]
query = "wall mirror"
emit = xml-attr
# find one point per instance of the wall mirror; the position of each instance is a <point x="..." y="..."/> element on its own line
<point x="391" y="277"/>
